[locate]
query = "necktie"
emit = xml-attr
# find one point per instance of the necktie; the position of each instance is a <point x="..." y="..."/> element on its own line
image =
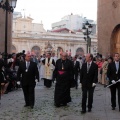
<point x="27" y="66"/>
<point x="74" y="63"/>
<point x="117" y="66"/>
<point x="88" y="67"/>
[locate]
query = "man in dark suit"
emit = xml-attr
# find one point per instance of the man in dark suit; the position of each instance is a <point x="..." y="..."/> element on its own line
<point x="88" y="80"/>
<point x="29" y="72"/>
<point x="76" y="68"/>
<point x="113" y="74"/>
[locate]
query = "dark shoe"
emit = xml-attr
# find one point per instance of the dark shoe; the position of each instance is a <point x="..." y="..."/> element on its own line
<point x="26" y="105"/>
<point x="113" y="108"/>
<point x="105" y="86"/>
<point x="65" y="104"/>
<point x="89" y="110"/>
<point x="83" y="111"/>
<point x="6" y="92"/>
<point x="57" y="105"/>
<point x="31" y="107"/>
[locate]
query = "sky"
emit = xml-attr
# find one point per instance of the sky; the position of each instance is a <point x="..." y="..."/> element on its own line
<point x="50" y="11"/>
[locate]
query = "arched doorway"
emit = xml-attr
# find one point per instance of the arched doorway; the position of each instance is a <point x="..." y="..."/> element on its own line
<point x="14" y="49"/>
<point x="115" y="40"/>
<point x="80" y="52"/>
<point x="36" y="50"/>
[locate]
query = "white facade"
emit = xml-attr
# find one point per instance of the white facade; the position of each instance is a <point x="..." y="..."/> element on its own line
<point x="73" y="22"/>
<point x="32" y="37"/>
<point x="25" y="25"/>
<point x="67" y="42"/>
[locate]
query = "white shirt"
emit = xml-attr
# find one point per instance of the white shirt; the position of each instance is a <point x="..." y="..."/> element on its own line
<point x="117" y="65"/>
<point x="27" y="64"/>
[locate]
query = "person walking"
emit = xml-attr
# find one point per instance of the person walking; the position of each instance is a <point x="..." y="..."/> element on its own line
<point x="64" y="75"/>
<point x="113" y="74"/>
<point x="88" y="80"/>
<point x="30" y="75"/>
<point x="76" y="68"/>
<point x="49" y="68"/>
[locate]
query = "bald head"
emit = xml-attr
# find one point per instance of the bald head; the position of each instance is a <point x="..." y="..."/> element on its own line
<point x="64" y="56"/>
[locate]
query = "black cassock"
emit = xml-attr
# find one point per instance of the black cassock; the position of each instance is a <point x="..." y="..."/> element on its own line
<point x="64" y="75"/>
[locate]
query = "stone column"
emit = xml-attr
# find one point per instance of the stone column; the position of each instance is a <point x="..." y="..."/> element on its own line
<point x="2" y="31"/>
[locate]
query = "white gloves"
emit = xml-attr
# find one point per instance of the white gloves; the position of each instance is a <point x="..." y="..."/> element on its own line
<point x="18" y="82"/>
<point x="36" y="80"/>
<point x="80" y="85"/>
<point x="119" y="80"/>
<point x="93" y="85"/>
<point x="113" y="82"/>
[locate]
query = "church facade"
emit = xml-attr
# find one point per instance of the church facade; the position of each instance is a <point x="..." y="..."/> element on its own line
<point x="32" y="37"/>
<point x="108" y="26"/>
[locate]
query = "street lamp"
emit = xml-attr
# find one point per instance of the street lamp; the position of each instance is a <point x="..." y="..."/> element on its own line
<point x="8" y="6"/>
<point x="87" y="29"/>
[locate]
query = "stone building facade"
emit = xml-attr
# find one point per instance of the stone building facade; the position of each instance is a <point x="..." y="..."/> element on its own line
<point x="57" y="42"/>
<point x="39" y="41"/>
<point x="108" y="26"/>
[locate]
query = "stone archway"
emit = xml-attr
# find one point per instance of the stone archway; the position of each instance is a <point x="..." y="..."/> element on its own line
<point x="14" y="50"/>
<point x="80" y="51"/>
<point x="36" y="50"/>
<point x="115" y="40"/>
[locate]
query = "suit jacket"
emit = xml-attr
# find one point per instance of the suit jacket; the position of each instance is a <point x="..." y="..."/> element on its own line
<point x="86" y="79"/>
<point x="112" y="72"/>
<point x="28" y="78"/>
<point x="76" y="68"/>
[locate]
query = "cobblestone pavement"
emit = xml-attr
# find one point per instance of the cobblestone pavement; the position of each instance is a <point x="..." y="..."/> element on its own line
<point x="11" y="107"/>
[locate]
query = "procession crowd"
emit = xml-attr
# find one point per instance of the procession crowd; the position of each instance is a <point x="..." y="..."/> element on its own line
<point x="25" y="70"/>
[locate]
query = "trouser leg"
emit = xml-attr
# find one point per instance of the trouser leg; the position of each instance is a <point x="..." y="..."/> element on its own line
<point x="113" y="95"/>
<point x="84" y="98"/>
<point x="44" y="82"/>
<point x="90" y="97"/>
<point x="31" y="95"/>
<point x="76" y="81"/>
<point x="26" y="94"/>
<point x="48" y="83"/>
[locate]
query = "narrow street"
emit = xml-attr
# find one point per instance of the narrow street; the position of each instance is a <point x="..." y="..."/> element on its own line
<point x="11" y="107"/>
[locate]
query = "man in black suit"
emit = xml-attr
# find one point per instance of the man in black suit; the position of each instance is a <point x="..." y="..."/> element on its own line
<point x="113" y="74"/>
<point x="76" y="68"/>
<point x="88" y="80"/>
<point x="29" y="72"/>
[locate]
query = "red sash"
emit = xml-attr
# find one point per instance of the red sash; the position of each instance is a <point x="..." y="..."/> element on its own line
<point x="61" y="72"/>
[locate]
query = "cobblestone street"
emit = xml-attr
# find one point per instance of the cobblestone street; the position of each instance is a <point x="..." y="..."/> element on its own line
<point x="11" y="107"/>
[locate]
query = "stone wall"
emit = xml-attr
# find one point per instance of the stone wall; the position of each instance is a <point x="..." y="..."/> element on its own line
<point x="108" y="19"/>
